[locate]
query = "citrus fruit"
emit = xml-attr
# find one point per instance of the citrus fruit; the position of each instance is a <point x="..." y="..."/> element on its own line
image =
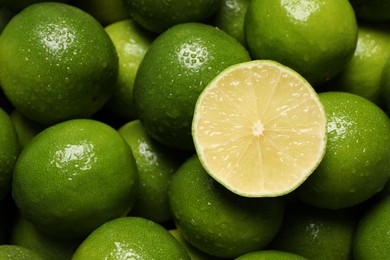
<point x="131" y="42"/>
<point x="316" y="38"/>
<point x="217" y="221"/>
<point x="372" y="235"/>
<point x="157" y="16"/>
<point x="230" y="17"/>
<point x="73" y="177"/>
<point x="259" y="129"/>
<point x="356" y="164"/>
<point x="362" y="75"/>
<point x="130" y="238"/>
<point x="270" y="255"/>
<point x="9" y="151"/>
<point x="54" y="53"/>
<point x="176" y="68"/>
<point x="194" y="253"/>
<point x="25" y="128"/>
<point x="25" y="234"/>
<point x="106" y="12"/>
<point x="316" y="233"/>
<point x="14" y="252"/>
<point x="372" y="10"/>
<point x="156" y="164"/>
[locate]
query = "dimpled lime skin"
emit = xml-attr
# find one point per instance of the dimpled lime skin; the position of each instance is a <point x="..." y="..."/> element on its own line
<point x="372" y="235"/>
<point x="316" y="38"/>
<point x="157" y="16"/>
<point x="356" y="164"/>
<point x="73" y="177"/>
<point x="176" y="68"/>
<point x="131" y="238"/>
<point x="9" y="151"/>
<point x="57" y="63"/>
<point x="217" y="221"/>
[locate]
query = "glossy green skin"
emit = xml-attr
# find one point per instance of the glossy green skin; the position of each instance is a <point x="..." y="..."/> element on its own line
<point x="230" y="17"/>
<point x="73" y="177"/>
<point x="131" y="42"/>
<point x="371" y="239"/>
<point x="356" y="164"/>
<point x="9" y="151"/>
<point x="363" y="74"/>
<point x="156" y="165"/>
<point x="62" y="66"/>
<point x="217" y="221"/>
<point x="27" y="235"/>
<point x="19" y="252"/>
<point x="316" y="233"/>
<point x="176" y="68"/>
<point x="25" y="128"/>
<point x="157" y="16"/>
<point x="315" y="38"/>
<point x="131" y="237"/>
<point x="271" y="255"/>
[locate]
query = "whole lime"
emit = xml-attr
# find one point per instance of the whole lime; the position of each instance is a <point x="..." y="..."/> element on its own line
<point x="73" y="177"/>
<point x="57" y="63"/>
<point x="316" y="233"/>
<point x="156" y="165"/>
<point x="314" y="37"/>
<point x="356" y="164"/>
<point x="131" y="238"/>
<point x="217" y="221"/>
<point x="176" y="68"/>
<point x="372" y="237"/>
<point x="131" y="42"/>
<point x="362" y="75"/>
<point x="157" y="16"/>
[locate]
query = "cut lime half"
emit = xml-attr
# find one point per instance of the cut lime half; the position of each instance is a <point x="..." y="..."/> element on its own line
<point x="259" y="129"/>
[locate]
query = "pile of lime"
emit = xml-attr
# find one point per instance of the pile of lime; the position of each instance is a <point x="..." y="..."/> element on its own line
<point x="211" y="129"/>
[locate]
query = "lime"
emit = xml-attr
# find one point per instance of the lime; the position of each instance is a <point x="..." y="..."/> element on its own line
<point x="362" y="75"/>
<point x="27" y="235"/>
<point x="9" y="151"/>
<point x="194" y="253"/>
<point x="314" y="37"/>
<point x="130" y="238"/>
<point x="230" y="17"/>
<point x="259" y="129"/>
<point x="372" y="235"/>
<point x="73" y="177"/>
<point x="316" y="233"/>
<point x="356" y="164"/>
<point x="25" y="128"/>
<point x="217" y="221"/>
<point x="13" y="252"/>
<point x="157" y="16"/>
<point x="105" y="11"/>
<point x="131" y="42"/>
<point x="270" y="255"/>
<point x="176" y="68"/>
<point x="156" y="164"/>
<point x="372" y="10"/>
<point x="54" y="53"/>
